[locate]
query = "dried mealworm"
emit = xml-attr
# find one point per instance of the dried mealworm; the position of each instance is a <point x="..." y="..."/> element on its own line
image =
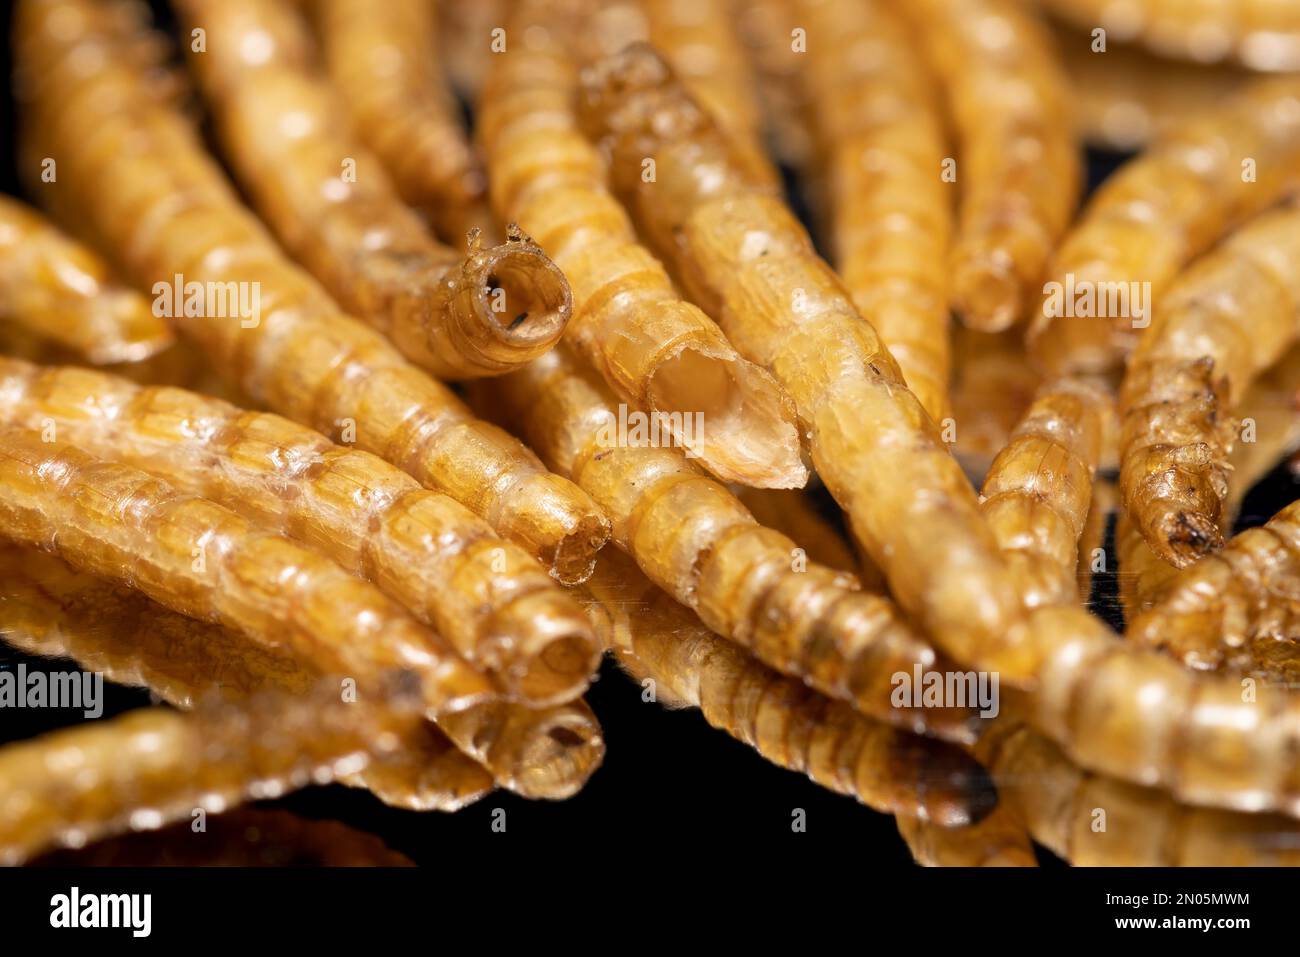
<point x="153" y="766"/>
<point x="1038" y="492"/>
<point x="879" y="134"/>
<point x="1141" y="827"/>
<point x="658" y="352"/>
<point x="467" y="29"/>
<point x="695" y="540"/>
<point x="382" y="59"/>
<point x="1000" y="840"/>
<point x="769" y="30"/>
<point x="60" y="289"/>
<point x="1259" y="34"/>
<point x="1019" y="166"/>
<point x="243" y="837"/>
<point x="487" y="596"/>
<point x="792" y="513"/>
<point x="1219" y="325"/>
<point x="1154" y="215"/>
<point x="332" y="205"/>
<point x="787" y="722"/>
<point x="154" y="195"/>
<point x="1092" y="542"/>
<point x="993" y="385"/>
<point x="49" y="609"/>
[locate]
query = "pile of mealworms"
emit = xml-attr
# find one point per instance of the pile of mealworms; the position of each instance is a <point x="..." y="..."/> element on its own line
<point x="360" y="439"/>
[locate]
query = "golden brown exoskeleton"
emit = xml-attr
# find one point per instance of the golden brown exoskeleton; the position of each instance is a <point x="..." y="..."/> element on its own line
<point x="1000" y="840"/>
<point x="61" y="290"/>
<point x="878" y="131"/>
<point x="1018" y="166"/>
<point x="993" y="384"/>
<point x="1154" y="215"/>
<point x="1218" y="326"/>
<point x="659" y="641"/>
<point x="658" y="352"/>
<point x="49" y="609"/>
<point x="149" y="191"/>
<point x="486" y="595"/>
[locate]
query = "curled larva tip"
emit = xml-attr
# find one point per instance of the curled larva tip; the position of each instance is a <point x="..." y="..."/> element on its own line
<point x="987" y="293"/>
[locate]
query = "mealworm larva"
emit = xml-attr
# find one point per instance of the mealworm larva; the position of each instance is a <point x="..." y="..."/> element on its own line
<point x="1096" y="821"/>
<point x="1092" y="542"/>
<point x="153" y="766"/>
<point x="999" y="840"/>
<point x="743" y="255"/>
<point x="380" y="57"/>
<point x="1259" y="34"/>
<point x="695" y="540"/>
<point x="243" y="837"/>
<point x="792" y="513"/>
<point x="1154" y="215"/>
<point x="1038" y="492"/>
<point x="787" y="722"/>
<point x="1019" y="168"/>
<point x="879" y="133"/>
<point x="658" y="352"/>
<point x="48" y="609"/>
<point x="61" y="290"/>
<point x="774" y="43"/>
<point x="1219" y="325"/>
<point x="487" y="596"/>
<point x="467" y="31"/>
<point x="993" y="384"/>
<point x="333" y="206"/>
<point x="169" y="212"/>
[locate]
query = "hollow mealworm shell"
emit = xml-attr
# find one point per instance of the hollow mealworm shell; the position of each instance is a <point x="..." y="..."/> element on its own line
<point x="48" y="609"/>
<point x="1019" y="168"/>
<point x="1259" y="34"/>
<point x="168" y="212"/>
<point x="878" y="131"/>
<point x="1219" y="325"/>
<point x="657" y="352"/>
<point x="695" y="540"/>
<point x="60" y="289"/>
<point x="999" y="840"/>
<point x="788" y="723"/>
<point x="332" y="205"/>
<point x="153" y="766"/>
<point x="1154" y="215"/>
<point x="487" y="596"/>
<point x="378" y="56"/>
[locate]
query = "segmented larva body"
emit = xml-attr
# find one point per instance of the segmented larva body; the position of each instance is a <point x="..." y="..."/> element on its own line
<point x="61" y="290"/>
<point x="793" y="513"/>
<point x="382" y="58"/>
<point x="1142" y="574"/>
<point x="465" y="32"/>
<point x="1019" y="167"/>
<point x="1248" y="590"/>
<point x="1260" y="34"/>
<point x="993" y="384"/>
<point x="48" y="609"/>
<point x="152" y="194"/>
<point x="153" y="766"/>
<point x="1154" y="215"/>
<point x="658" y="352"/>
<point x="1105" y="503"/>
<point x="1219" y="325"/>
<point x="243" y="837"/>
<point x="1142" y="827"/>
<point x="787" y="722"/>
<point x="999" y="840"/>
<point x="768" y="29"/>
<point x="487" y="596"/>
<point x="331" y="203"/>
<point x="746" y="257"/>
<point x="695" y="540"/>
<point x="878" y="131"/>
<point x="1038" y="493"/>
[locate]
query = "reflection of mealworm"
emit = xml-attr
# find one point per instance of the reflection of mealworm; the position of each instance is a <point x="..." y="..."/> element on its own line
<point x="788" y="723"/>
<point x="48" y="609"/>
<point x="487" y="596"/>
<point x="153" y="766"/>
<point x="154" y="195"/>
<point x="379" y="56"/>
<point x="1000" y="840"/>
<point x="1020" y="168"/>
<point x="879" y="133"/>
<point x="58" y="288"/>
<point x="696" y="541"/>
<point x="1154" y="215"/>
<point x="658" y="352"/>
<point x="330" y="202"/>
<point x="1219" y="325"/>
